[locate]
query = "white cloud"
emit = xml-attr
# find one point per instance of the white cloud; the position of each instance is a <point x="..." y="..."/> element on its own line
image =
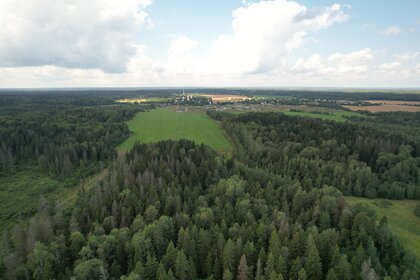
<point x="354" y="62"/>
<point x="407" y="56"/>
<point x="389" y="67"/>
<point x="336" y="65"/>
<point x="313" y="64"/>
<point x="180" y="57"/>
<point x="264" y="33"/>
<point x="393" y="30"/>
<point x="96" y="43"/>
<point x="70" y="33"/>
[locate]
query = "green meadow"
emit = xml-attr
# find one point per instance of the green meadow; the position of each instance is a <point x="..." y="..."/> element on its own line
<point x="338" y="116"/>
<point x="401" y="219"/>
<point x="20" y="193"/>
<point x="166" y="123"/>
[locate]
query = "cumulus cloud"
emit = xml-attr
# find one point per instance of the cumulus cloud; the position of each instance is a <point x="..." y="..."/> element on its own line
<point x="393" y="30"/>
<point x="407" y="56"/>
<point x="336" y="64"/>
<point x="70" y="33"/>
<point x="180" y="57"/>
<point x="312" y="65"/>
<point x="354" y="62"/>
<point x="264" y="33"/>
<point x="389" y="67"/>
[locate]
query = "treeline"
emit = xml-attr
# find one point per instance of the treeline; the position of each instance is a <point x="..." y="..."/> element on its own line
<point x="357" y="160"/>
<point x="66" y="140"/>
<point x="174" y="210"/>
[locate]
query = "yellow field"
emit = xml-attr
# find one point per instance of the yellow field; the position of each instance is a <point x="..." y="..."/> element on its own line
<point x="219" y="98"/>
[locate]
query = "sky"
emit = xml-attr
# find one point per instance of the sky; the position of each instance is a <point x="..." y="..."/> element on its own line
<point x="209" y="43"/>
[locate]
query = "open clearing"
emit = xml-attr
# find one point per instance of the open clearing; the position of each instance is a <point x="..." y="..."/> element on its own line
<point x="145" y="100"/>
<point x="291" y="110"/>
<point x="394" y="102"/>
<point x="219" y="98"/>
<point x="338" y="116"/>
<point x="20" y="193"/>
<point x="166" y="123"/>
<point x="401" y="219"/>
<point x="387" y="106"/>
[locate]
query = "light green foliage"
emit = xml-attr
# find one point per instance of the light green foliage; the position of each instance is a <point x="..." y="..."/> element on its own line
<point x="338" y="116"/>
<point x="181" y="266"/>
<point x="401" y="219"/>
<point x="313" y="261"/>
<point x="89" y="269"/>
<point x="20" y="192"/>
<point x="165" y="124"/>
<point x="227" y="275"/>
<point x="41" y="262"/>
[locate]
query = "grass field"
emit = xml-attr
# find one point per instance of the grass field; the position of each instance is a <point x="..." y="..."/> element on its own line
<point x="20" y="193"/>
<point x="338" y="116"/>
<point x="166" y="123"/>
<point x="402" y="221"/>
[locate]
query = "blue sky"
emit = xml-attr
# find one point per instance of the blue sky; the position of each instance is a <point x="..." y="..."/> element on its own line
<point x="204" y="20"/>
<point x="66" y="43"/>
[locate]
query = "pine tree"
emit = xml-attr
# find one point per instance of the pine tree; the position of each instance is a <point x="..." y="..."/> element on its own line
<point x="357" y="260"/>
<point x="302" y="274"/>
<point x="313" y="261"/>
<point x="295" y="268"/>
<point x="343" y="270"/>
<point x="227" y="275"/>
<point x="331" y="275"/>
<point x="181" y="266"/>
<point x="367" y="272"/>
<point x="271" y="265"/>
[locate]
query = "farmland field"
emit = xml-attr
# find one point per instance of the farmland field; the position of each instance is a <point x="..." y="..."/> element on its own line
<point x="401" y="219"/>
<point x="145" y="100"/>
<point x="166" y="123"/>
<point x="223" y="98"/>
<point x="387" y="106"/>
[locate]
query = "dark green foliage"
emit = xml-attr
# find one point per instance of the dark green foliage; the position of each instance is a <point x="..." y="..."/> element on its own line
<point x="150" y="219"/>
<point x="64" y="139"/>
<point x="177" y="210"/>
<point x="356" y="160"/>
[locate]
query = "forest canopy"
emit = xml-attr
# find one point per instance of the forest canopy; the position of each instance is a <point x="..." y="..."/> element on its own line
<point x="274" y="209"/>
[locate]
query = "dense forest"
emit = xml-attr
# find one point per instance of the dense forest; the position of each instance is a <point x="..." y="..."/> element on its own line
<point x="357" y="160"/>
<point x="66" y="136"/>
<point x="179" y="210"/>
<point x="175" y="210"/>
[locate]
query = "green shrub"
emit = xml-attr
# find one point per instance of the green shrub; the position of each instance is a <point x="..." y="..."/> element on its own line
<point x="417" y="210"/>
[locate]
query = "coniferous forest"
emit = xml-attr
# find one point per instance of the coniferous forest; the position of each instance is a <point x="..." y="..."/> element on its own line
<point x="274" y="209"/>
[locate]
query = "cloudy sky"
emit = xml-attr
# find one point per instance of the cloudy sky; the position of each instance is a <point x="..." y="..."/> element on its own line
<point x="135" y="43"/>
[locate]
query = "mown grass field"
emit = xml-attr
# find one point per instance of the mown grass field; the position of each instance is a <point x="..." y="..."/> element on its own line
<point x="402" y="221"/>
<point x="338" y="116"/>
<point x="166" y="123"/>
